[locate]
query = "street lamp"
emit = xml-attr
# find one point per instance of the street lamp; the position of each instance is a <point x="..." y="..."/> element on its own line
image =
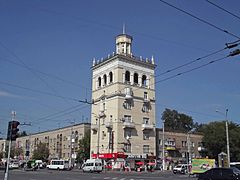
<point x="163" y="147"/>
<point x="189" y="156"/>
<point x="227" y="135"/>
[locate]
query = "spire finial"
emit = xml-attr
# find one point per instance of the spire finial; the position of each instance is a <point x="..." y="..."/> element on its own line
<point x="124" y="28"/>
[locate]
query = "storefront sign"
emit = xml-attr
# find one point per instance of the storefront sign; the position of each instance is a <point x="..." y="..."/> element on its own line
<point x="137" y="156"/>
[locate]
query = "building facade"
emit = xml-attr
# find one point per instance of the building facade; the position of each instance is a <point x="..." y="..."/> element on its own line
<point x="178" y="147"/>
<point x="3" y="146"/>
<point x="62" y="142"/>
<point x="123" y="109"/>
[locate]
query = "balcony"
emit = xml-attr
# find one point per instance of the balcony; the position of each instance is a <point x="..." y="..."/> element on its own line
<point x="127" y="124"/>
<point x="147" y="126"/>
<point x="109" y="125"/>
<point x="94" y="127"/>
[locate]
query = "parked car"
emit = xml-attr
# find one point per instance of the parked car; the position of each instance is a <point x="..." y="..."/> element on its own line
<point x="13" y="165"/>
<point x="220" y="174"/>
<point x="181" y="168"/>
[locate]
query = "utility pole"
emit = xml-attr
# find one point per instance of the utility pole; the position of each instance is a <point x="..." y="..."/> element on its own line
<point x="163" y="147"/>
<point x="9" y="144"/>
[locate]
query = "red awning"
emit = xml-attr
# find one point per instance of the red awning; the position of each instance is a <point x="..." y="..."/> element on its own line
<point x="109" y="155"/>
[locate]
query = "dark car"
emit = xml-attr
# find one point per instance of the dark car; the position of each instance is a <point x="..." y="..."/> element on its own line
<point x="220" y="174"/>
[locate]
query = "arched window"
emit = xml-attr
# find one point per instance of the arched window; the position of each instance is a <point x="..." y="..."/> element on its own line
<point x="110" y="77"/>
<point x="144" y="80"/>
<point x="99" y="82"/>
<point x="135" y="78"/>
<point x="105" y="79"/>
<point x="127" y="76"/>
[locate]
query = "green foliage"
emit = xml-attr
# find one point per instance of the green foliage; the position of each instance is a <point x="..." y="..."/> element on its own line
<point x="23" y="133"/>
<point x="41" y="152"/>
<point x="84" y="147"/>
<point x="175" y="121"/>
<point x="17" y="151"/>
<point x="214" y="139"/>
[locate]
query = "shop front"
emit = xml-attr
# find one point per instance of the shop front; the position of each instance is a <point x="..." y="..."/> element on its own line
<point x="140" y="162"/>
<point x="115" y="161"/>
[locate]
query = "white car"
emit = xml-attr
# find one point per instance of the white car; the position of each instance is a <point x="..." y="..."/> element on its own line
<point x="181" y="168"/>
<point x="14" y="165"/>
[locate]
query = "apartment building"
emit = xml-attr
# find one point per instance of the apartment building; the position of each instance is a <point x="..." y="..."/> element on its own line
<point x="178" y="146"/>
<point x="123" y="112"/>
<point x="62" y="142"/>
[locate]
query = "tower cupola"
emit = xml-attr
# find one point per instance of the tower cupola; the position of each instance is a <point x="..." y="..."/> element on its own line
<point x="124" y="43"/>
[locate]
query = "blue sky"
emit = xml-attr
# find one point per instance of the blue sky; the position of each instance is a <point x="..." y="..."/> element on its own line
<point x="47" y="47"/>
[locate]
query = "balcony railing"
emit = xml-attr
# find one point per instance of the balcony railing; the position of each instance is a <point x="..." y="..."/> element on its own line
<point x="127" y="124"/>
<point x="147" y="126"/>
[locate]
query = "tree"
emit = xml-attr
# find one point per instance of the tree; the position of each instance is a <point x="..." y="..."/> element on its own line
<point x="214" y="139"/>
<point x="84" y="147"/>
<point x="41" y="152"/>
<point x="175" y="121"/>
<point x="17" y="151"/>
<point x="23" y="133"/>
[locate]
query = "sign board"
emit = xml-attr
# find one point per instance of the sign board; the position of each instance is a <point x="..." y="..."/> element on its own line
<point x="202" y="165"/>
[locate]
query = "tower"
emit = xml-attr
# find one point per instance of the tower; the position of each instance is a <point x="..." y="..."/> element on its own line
<point x="123" y="112"/>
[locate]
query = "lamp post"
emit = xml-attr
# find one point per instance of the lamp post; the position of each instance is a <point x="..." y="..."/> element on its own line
<point x="227" y="135"/>
<point x="163" y="147"/>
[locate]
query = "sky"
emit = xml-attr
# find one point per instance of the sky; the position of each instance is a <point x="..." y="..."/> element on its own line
<point x="47" y="48"/>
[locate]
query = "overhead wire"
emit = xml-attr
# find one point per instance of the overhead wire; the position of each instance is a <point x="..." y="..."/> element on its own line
<point x="219" y="7"/>
<point x="38" y="91"/>
<point x="44" y="73"/>
<point x="201" y="20"/>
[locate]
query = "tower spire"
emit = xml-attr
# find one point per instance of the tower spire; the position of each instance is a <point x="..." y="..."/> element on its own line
<point x="124" y="28"/>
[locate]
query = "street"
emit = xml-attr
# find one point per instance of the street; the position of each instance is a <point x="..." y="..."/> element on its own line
<point x="78" y="174"/>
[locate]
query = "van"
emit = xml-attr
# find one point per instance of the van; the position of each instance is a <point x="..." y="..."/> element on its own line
<point x="59" y="165"/>
<point x="93" y="165"/>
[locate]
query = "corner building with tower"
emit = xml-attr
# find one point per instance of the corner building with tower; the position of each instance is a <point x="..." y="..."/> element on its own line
<point x="123" y="110"/>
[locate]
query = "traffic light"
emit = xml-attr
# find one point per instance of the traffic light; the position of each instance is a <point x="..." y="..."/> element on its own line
<point x="12" y="130"/>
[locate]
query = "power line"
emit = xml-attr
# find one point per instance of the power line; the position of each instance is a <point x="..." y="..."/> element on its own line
<point x="38" y="91"/>
<point x="190" y="70"/>
<point x="219" y="7"/>
<point x="44" y="73"/>
<point x="190" y="62"/>
<point x="201" y="20"/>
<point x="60" y="113"/>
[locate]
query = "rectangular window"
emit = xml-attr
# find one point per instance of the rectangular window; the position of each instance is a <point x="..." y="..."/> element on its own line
<point x="103" y="134"/>
<point x="145" y="135"/>
<point x="145" y="96"/>
<point x="127" y="133"/>
<point x="146" y="121"/>
<point x="146" y="149"/>
<point x="127" y="118"/>
<point x="127" y="148"/>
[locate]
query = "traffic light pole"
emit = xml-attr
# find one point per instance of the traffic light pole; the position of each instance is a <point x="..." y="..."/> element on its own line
<point x="8" y="159"/>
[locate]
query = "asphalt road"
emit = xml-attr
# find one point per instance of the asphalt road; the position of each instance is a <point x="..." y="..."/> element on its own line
<point x="78" y="175"/>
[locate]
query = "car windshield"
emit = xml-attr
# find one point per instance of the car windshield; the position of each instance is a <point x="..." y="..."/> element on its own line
<point x="178" y="166"/>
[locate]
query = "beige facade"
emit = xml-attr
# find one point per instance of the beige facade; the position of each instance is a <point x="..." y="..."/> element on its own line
<point x="123" y="92"/>
<point x="178" y="146"/>
<point x="3" y="146"/>
<point x="62" y="142"/>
